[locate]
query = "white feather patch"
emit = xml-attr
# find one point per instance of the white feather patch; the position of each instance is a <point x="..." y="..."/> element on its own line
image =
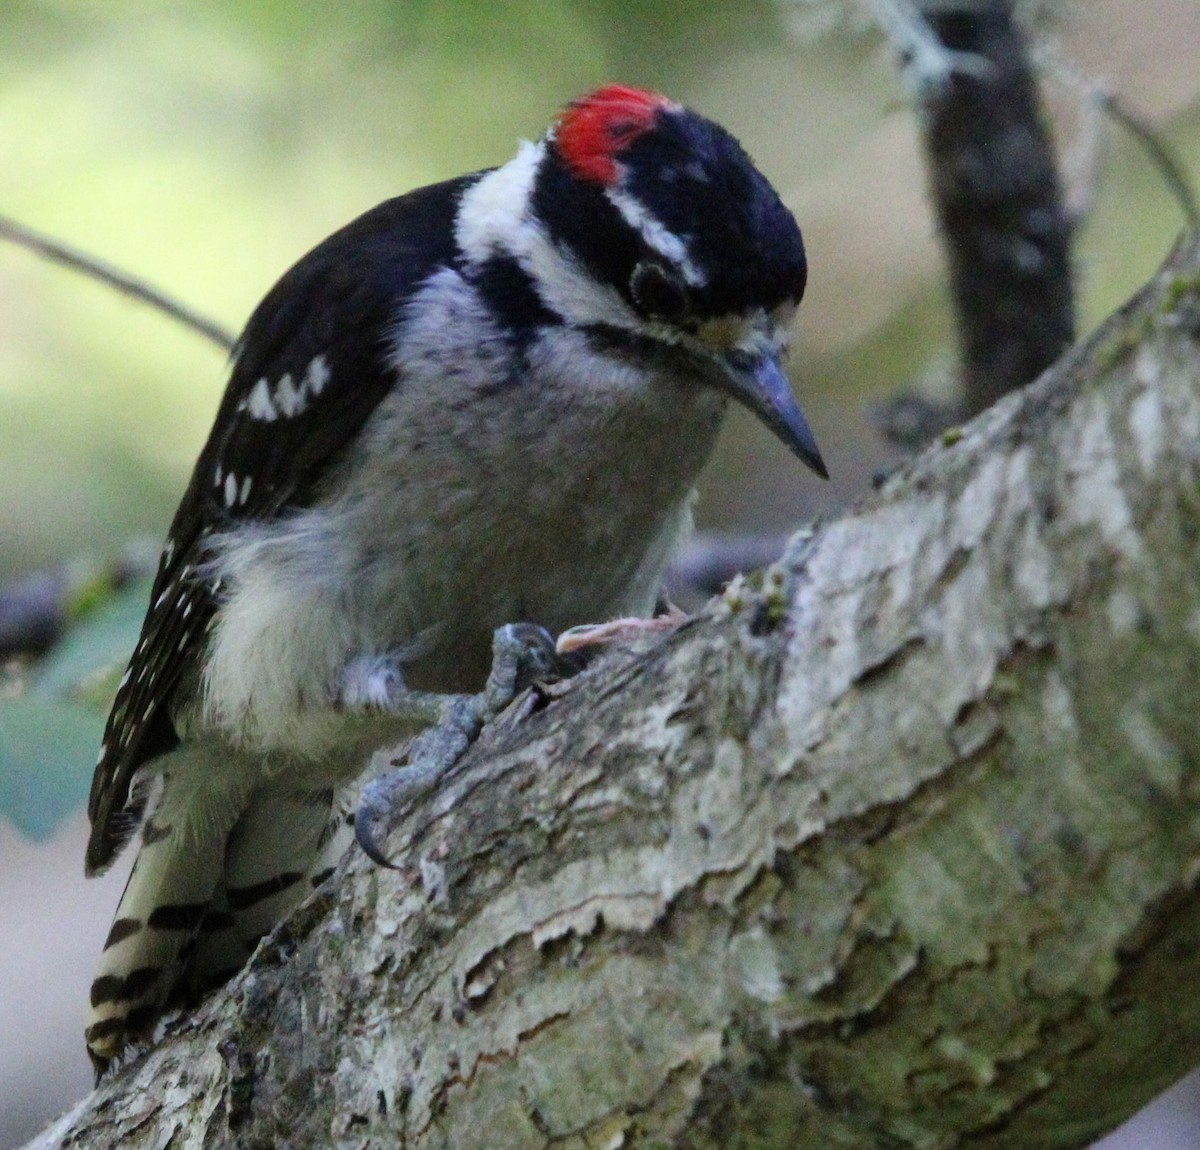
<point x="657" y="236"/>
<point x="259" y="403"/>
<point x="494" y="216"/>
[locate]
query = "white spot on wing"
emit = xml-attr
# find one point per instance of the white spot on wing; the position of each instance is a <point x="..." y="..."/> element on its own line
<point x="287" y="398"/>
<point x="244" y="494"/>
<point x="318" y="375"/>
<point x="231" y="486"/>
<point x="259" y="404"/>
<point x="218" y="476"/>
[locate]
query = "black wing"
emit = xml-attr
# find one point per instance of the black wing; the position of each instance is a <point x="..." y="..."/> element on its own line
<point x="309" y="369"/>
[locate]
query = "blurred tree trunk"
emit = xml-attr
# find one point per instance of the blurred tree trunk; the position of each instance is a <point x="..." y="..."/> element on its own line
<point x="995" y="193"/>
<point x="995" y="189"/>
<point x="898" y="848"/>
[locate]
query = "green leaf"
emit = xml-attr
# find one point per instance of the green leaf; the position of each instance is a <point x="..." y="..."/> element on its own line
<point x="49" y="735"/>
<point x="47" y="750"/>
<point x="86" y="663"/>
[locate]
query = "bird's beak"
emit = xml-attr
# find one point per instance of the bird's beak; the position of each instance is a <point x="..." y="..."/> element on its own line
<point x="757" y="381"/>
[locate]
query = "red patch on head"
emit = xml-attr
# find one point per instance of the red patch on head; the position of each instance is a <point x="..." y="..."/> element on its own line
<point x="597" y="127"/>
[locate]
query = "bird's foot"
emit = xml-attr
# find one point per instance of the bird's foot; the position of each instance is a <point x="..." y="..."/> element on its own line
<point x="522" y="654"/>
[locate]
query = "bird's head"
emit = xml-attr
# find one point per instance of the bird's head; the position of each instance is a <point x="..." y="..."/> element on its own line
<point x="640" y="219"/>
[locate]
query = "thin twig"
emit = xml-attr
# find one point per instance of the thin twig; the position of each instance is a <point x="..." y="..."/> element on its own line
<point x="1096" y="100"/>
<point x="1160" y="155"/>
<point x="78" y="261"/>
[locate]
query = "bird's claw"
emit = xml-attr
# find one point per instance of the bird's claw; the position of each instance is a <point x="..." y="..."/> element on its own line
<point x="385" y="799"/>
<point x="522" y="654"/>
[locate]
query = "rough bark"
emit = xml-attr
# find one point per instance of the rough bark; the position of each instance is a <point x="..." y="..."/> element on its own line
<point x="896" y="849"/>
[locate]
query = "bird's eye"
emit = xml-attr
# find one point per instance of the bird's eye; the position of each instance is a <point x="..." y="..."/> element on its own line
<point x="658" y="293"/>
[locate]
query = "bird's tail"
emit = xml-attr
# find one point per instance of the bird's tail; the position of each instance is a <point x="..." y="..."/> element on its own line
<point x="286" y="844"/>
<point x="221" y="860"/>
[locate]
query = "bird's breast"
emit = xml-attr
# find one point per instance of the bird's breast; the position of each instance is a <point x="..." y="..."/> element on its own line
<point x="556" y="498"/>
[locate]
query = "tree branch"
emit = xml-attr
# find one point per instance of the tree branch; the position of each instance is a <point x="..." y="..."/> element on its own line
<point x="66" y="256"/>
<point x="1161" y="155"/>
<point x="899" y="848"/>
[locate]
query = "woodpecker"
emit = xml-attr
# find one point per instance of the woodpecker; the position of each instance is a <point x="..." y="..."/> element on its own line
<point x="479" y="404"/>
